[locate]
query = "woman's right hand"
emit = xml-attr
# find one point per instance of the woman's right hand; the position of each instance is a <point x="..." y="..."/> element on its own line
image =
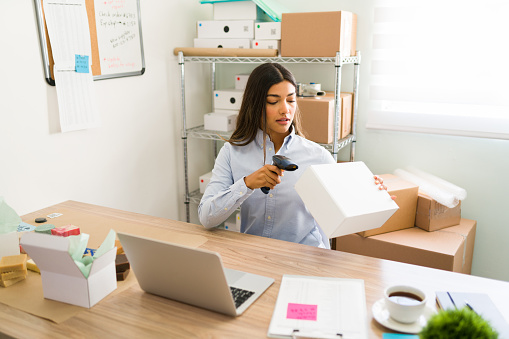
<point x="266" y="176"/>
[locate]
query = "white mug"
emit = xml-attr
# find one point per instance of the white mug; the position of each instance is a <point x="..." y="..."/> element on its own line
<point x="405" y="303"/>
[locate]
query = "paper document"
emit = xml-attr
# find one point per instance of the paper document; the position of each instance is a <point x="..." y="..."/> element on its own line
<point x="319" y="307"/>
<point x="69" y="35"/>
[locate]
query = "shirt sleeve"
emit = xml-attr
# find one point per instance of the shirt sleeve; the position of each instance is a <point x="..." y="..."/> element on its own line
<point x="223" y="195"/>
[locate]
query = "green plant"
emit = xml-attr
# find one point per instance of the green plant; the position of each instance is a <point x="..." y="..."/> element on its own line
<point x="457" y="323"/>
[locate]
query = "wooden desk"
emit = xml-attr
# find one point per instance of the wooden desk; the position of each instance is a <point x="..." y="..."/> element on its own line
<point x="133" y="313"/>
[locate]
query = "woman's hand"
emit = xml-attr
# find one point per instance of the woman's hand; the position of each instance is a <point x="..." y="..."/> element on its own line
<point x="380" y="181"/>
<point x="266" y="176"/>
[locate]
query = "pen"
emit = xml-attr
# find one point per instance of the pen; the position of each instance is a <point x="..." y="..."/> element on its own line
<point x="452" y="300"/>
<point x="470" y="306"/>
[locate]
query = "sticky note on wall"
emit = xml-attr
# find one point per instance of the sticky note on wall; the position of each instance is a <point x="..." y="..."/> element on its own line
<point x="81" y="63"/>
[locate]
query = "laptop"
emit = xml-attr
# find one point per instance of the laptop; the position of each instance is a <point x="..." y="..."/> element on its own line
<point x="191" y="275"/>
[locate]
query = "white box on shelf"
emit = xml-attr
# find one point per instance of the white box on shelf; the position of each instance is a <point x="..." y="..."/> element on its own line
<point x="222" y="43"/>
<point x="220" y="121"/>
<point x="268" y="30"/>
<point x="266" y="44"/>
<point x="204" y="181"/>
<point x="228" y="99"/>
<point x="232" y="29"/>
<point x="344" y="199"/>
<point x="241" y="81"/>
<point x="233" y="223"/>
<point x="235" y="10"/>
<point x="62" y="280"/>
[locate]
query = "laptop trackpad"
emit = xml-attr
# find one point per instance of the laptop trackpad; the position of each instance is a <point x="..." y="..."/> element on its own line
<point x="232" y="276"/>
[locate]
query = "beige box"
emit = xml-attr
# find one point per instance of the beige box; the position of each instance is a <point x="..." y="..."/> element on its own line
<point x="318" y="34"/>
<point x="343" y="198"/>
<point x="406" y="198"/>
<point x="432" y="215"/>
<point x="450" y="249"/>
<point x="317" y="116"/>
<point x="232" y="29"/>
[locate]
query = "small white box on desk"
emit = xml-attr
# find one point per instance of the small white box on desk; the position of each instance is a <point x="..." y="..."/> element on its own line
<point x="204" y="181"/>
<point x="223" y="121"/>
<point x="268" y="30"/>
<point x="233" y="29"/>
<point x="344" y="199"/>
<point x="9" y="244"/>
<point x="241" y="81"/>
<point x="228" y="99"/>
<point x="222" y="43"/>
<point x="62" y="280"/>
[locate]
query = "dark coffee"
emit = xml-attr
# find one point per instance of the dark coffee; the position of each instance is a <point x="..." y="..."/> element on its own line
<point x="405" y="298"/>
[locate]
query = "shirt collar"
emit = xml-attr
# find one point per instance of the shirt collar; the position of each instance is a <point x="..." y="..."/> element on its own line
<point x="286" y="143"/>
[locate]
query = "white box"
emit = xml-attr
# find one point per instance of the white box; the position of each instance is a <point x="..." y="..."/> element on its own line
<point x="220" y="121"/>
<point x="344" y="199"/>
<point x="62" y="280"/>
<point x="233" y="223"/>
<point x="235" y="10"/>
<point x="228" y="99"/>
<point x="231" y="29"/>
<point x="241" y="81"/>
<point x="266" y="44"/>
<point x="204" y="181"/>
<point x="222" y="43"/>
<point x="268" y="30"/>
<point x="9" y="244"/>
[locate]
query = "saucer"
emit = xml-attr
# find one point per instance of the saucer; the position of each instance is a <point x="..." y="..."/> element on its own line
<point x="381" y="314"/>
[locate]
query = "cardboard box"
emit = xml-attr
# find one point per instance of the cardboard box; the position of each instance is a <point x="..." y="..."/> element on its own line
<point x="268" y="30"/>
<point x="9" y="244"/>
<point x="432" y="216"/>
<point x="241" y="81"/>
<point x="343" y="198"/>
<point x="204" y="181"/>
<point x="228" y="99"/>
<point x="232" y="29"/>
<point x="266" y="44"/>
<point x="222" y="43"/>
<point x="406" y="198"/>
<point x="220" y="121"/>
<point x="450" y="249"/>
<point x="62" y="280"/>
<point x="318" y="34"/>
<point x="317" y="116"/>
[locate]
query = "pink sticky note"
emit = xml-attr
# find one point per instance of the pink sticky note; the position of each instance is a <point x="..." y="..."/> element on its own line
<point x="302" y="311"/>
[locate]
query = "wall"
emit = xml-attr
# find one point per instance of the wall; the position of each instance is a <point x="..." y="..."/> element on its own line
<point x="134" y="161"/>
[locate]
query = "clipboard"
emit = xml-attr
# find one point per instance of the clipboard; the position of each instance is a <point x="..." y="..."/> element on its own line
<point x="115" y="35"/>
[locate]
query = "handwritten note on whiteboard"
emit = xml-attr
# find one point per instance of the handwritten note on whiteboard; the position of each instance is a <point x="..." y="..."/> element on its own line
<point x="118" y="36"/>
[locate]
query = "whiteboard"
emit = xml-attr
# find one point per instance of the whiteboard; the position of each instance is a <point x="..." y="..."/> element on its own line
<point x="115" y="35"/>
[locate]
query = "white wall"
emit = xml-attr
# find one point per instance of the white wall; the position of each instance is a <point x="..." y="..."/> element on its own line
<point x="134" y="160"/>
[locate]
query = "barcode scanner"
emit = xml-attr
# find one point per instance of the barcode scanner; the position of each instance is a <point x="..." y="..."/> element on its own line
<point x="283" y="163"/>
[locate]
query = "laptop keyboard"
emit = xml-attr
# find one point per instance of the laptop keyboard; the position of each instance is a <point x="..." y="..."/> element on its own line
<point x="240" y="295"/>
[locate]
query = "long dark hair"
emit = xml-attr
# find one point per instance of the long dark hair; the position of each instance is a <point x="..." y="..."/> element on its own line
<point x="252" y="112"/>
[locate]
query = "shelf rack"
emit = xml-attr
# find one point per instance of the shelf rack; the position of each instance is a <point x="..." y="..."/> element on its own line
<point x="199" y="133"/>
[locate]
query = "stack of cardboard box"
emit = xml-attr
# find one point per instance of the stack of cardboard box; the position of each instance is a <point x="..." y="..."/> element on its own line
<point x="422" y="232"/>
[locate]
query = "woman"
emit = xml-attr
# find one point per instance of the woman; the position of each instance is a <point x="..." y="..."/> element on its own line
<point x="268" y="124"/>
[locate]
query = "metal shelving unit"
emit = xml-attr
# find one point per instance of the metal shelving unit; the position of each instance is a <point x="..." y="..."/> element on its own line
<point x="199" y="133"/>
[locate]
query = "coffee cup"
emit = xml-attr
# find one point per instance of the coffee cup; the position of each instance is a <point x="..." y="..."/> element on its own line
<point x="405" y="303"/>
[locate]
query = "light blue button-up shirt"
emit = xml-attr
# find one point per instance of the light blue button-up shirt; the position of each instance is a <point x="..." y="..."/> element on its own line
<point x="280" y="214"/>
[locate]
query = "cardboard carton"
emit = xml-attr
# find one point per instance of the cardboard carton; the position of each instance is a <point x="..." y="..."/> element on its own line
<point x="406" y="198"/>
<point x="268" y="30"/>
<point x="449" y="249"/>
<point x="232" y="29"/>
<point x="220" y="121"/>
<point x="432" y="216"/>
<point x="9" y="244"/>
<point x="241" y="81"/>
<point x="238" y="10"/>
<point x="62" y="280"/>
<point x="228" y="99"/>
<point x="317" y="116"/>
<point x="318" y="34"/>
<point x="266" y="44"/>
<point x="343" y="198"/>
<point x="204" y="181"/>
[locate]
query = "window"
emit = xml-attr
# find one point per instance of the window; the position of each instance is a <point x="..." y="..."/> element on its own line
<point x="440" y="67"/>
